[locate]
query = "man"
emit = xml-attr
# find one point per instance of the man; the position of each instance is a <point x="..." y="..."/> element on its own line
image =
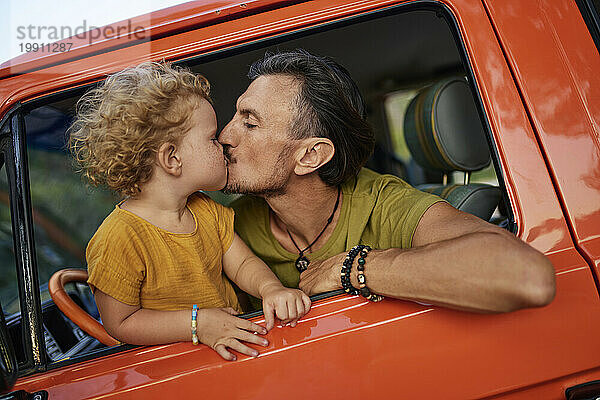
<point x="298" y="142"/>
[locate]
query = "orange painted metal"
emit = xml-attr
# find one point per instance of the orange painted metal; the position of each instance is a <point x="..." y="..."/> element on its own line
<point x="56" y="288"/>
<point x="420" y="352"/>
<point x="563" y="100"/>
<point x="346" y="347"/>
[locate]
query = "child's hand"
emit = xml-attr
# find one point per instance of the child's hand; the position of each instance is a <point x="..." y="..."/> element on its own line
<point x="288" y="305"/>
<point x="220" y="329"/>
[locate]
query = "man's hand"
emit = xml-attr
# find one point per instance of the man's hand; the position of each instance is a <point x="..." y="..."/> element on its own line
<point x="322" y="276"/>
<point x="220" y="329"/>
<point x="289" y="305"/>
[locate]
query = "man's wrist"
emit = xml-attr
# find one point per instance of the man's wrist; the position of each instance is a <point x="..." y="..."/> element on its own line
<point x="373" y="255"/>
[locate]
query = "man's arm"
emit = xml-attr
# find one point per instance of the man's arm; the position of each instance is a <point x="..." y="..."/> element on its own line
<point x="457" y="261"/>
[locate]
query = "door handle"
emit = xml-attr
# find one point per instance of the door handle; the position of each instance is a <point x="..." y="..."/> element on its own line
<point x="585" y="391"/>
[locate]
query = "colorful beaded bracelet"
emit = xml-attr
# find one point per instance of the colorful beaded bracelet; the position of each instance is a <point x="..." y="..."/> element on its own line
<point x="194" y="324"/>
<point x="362" y="279"/>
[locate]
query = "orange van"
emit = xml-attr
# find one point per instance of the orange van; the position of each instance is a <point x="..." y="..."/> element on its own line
<point x="523" y="73"/>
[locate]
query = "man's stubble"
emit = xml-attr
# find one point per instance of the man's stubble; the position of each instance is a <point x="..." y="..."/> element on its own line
<point x="272" y="186"/>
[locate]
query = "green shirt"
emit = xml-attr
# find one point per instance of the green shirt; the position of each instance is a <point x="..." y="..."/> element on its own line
<point x="379" y="210"/>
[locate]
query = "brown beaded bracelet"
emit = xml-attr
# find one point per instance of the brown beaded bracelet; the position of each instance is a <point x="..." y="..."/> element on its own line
<point x="347" y="267"/>
<point x="362" y="279"/>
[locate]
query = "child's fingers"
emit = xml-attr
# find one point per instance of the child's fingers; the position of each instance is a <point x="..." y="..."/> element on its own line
<point x="307" y="303"/>
<point x="292" y="309"/>
<point x="250" y="326"/>
<point x="222" y="351"/>
<point x="241" y="348"/>
<point x="269" y="317"/>
<point x="282" y="311"/>
<point x="300" y="307"/>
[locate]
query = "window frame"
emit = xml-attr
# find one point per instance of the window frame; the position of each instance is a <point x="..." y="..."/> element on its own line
<point x="591" y="15"/>
<point x="15" y="157"/>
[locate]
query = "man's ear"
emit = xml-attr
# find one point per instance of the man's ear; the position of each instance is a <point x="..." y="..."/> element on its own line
<point x="168" y="159"/>
<point x="315" y="153"/>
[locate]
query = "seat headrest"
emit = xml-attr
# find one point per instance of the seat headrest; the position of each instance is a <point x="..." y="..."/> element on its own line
<point x="443" y="130"/>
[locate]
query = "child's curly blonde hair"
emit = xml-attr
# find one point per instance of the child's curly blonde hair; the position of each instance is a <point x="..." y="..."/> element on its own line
<point x="121" y="124"/>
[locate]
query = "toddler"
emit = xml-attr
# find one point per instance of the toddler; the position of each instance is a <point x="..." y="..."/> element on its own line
<point x="149" y="133"/>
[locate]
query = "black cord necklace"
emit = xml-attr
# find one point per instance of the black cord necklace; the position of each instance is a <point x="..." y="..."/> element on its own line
<point x="302" y="262"/>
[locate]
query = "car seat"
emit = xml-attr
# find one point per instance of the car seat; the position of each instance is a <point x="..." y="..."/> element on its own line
<point x="444" y="133"/>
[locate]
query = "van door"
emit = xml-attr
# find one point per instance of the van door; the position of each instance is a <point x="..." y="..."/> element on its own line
<point x="562" y="100"/>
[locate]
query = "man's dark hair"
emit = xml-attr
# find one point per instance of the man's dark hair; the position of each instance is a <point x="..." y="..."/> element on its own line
<point x="328" y="105"/>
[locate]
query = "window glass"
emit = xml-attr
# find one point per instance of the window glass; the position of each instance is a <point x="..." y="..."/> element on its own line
<point x="396" y="106"/>
<point x="66" y="211"/>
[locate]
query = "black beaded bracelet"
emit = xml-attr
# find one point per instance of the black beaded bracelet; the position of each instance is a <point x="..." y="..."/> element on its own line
<point x="347" y="267"/>
<point x="362" y="279"/>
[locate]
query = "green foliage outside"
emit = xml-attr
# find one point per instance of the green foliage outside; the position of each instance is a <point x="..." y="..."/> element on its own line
<point x="66" y="210"/>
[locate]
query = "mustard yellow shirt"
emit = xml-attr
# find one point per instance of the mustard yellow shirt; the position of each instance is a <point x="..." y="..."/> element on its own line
<point x="382" y="211"/>
<point x="138" y="263"/>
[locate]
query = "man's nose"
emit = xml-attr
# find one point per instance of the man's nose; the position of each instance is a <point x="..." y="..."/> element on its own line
<point x="227" y="135"/>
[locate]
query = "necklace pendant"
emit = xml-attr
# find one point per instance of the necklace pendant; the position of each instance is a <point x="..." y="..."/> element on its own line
<point x="302" y="263"/>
